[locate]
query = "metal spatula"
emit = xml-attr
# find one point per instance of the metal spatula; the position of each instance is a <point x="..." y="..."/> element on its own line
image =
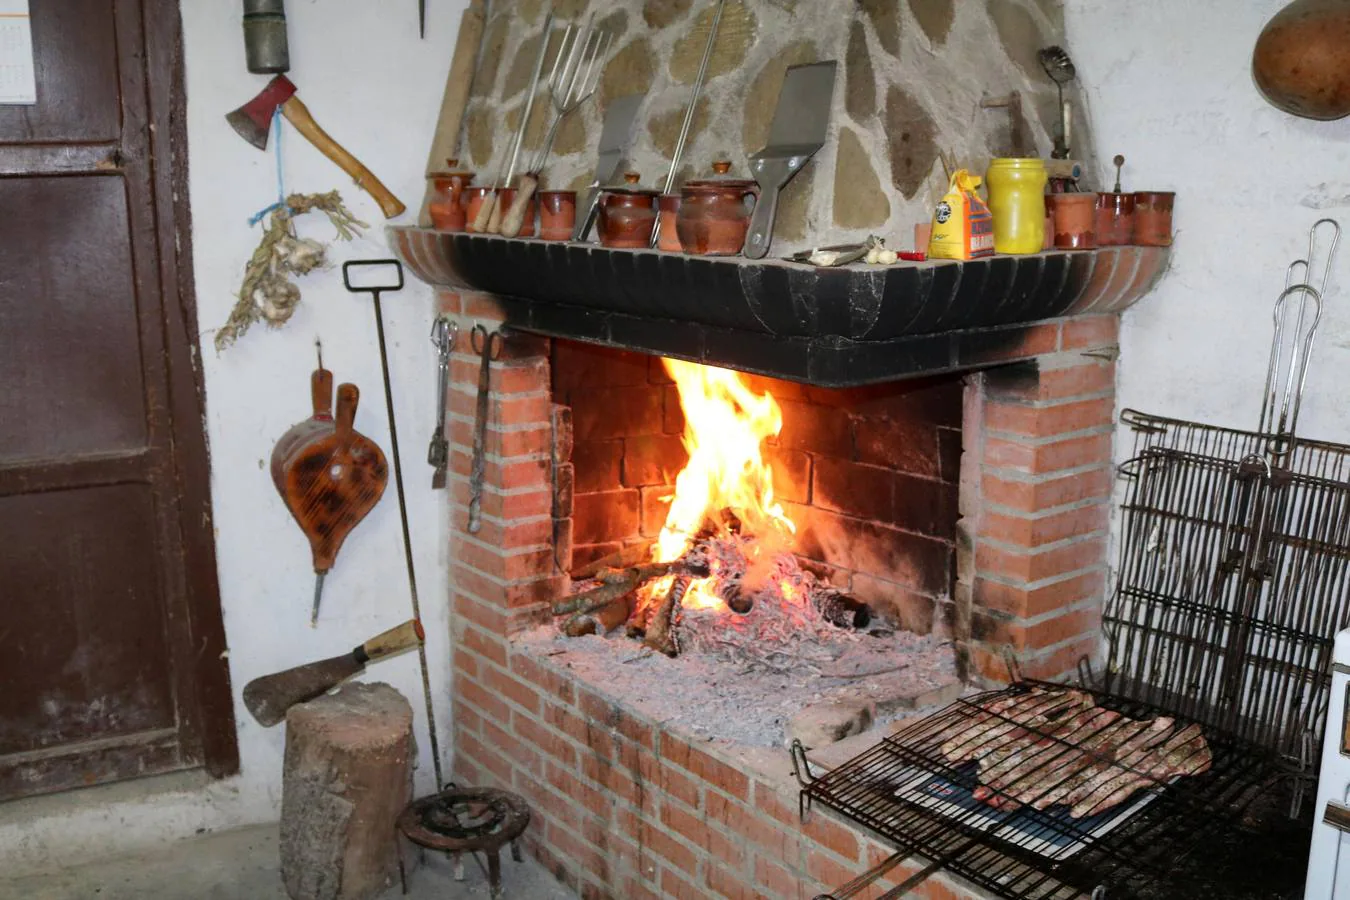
<point x="615" y="135"/>
<point x="798" y="131"/>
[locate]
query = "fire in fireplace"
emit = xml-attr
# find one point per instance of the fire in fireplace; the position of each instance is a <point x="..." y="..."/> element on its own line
<point x="722" y="570"/>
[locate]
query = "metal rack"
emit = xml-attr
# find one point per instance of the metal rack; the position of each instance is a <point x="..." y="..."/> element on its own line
<point x="1041" y="854"/>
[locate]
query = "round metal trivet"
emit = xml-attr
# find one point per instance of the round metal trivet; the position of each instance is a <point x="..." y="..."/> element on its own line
<point x="466" y="820"/>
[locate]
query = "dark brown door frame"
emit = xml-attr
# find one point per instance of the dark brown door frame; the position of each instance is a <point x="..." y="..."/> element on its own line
<point x="167" y="93"/>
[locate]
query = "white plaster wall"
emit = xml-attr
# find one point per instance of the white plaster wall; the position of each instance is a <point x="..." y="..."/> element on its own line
<point x="1169" y="85"/>
<point x="376" y="87"/>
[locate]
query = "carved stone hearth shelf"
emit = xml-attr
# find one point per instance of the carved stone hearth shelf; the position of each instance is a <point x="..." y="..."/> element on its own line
<point x="831" y="327"/>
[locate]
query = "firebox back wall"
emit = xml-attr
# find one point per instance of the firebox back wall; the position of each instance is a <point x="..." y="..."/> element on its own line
<point x="868" y="475"/>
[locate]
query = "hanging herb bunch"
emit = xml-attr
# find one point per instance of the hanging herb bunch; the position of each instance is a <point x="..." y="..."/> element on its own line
<point x="268" y="293"/>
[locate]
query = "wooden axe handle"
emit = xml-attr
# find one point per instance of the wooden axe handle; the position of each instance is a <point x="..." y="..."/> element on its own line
<point x="298" y="115"/>
<point x="409" y="634"/>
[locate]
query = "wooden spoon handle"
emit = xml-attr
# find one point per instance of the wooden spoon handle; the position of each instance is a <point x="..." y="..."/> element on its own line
<point x="515" y="216"/>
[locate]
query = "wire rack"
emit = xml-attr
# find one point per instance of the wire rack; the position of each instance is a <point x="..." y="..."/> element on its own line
<point x="911" y="792"/>
<point x="1232" y="581"/>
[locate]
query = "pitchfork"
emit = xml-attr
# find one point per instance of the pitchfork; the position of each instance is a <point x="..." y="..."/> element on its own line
<point x="575" y="74"/>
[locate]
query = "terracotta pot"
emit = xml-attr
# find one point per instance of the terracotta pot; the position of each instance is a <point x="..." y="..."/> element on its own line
<point x="668" y="238"/>
<point x="447" y="205"/>
<point x="1153" y="218"/>
<point x="1115" y="219"/>
<point x="473" y="198"/>
<point x="627" y="215"/>
<point x="715" y="213"/>
<point x="1075" y="220"/>
<point x="507" y="196"/>
<point x="557" y="215"/>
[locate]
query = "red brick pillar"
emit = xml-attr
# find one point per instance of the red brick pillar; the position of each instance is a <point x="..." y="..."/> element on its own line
<point x="502" y="577"/>
<point x="1036" y="485"/>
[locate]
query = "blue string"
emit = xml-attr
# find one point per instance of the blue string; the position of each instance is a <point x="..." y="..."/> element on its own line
<point x="281" y="177"/>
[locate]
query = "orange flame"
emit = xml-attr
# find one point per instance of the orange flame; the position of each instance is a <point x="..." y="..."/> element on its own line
<point x="726" y="424"/>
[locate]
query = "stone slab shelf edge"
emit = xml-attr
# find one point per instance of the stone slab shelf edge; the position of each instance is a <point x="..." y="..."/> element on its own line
<point x="831" y="327"/>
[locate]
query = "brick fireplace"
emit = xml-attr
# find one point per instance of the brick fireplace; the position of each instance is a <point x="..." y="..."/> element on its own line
<point x="969" y="505"/>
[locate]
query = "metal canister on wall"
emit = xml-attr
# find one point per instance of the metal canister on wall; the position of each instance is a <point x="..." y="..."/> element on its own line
<point x="265" y="44"/>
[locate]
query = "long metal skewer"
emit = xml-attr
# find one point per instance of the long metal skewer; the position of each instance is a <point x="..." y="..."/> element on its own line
<point x="689" y="112"/>
<point x="490" y="213"/>
<point x="398" y="483"/>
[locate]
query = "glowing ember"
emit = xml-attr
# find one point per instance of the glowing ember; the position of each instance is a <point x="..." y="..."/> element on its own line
<point x="726" y="424"/>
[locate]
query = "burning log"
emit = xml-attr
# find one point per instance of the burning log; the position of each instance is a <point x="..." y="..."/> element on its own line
<point x="661" y="624"/>
<point x="622" y="559"/>
<point x="614" y="584"/>
<point x="599" y="621"/>
<point x="841" y="610"/>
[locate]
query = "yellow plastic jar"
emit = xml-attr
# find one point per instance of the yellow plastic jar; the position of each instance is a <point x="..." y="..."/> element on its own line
<point x="1017" y="201"/>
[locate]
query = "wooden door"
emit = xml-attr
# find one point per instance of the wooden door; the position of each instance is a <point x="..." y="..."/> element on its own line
<point x="111" y="642"/>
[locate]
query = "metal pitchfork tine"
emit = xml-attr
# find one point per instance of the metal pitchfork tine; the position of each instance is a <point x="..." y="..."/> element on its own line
<point x="573" y="79"/>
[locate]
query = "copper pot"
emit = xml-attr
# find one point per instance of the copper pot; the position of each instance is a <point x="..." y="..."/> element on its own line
<point x="1115" y="219"/>
<point x="473" y="198"/>
<point x="557" y="215"/>
<point x="627" y="215"/>
<point x="715" y="213"/>
<point x="1075" y="220"/>
<point x="447" y="206"/>
<point x="1153" y="218"/>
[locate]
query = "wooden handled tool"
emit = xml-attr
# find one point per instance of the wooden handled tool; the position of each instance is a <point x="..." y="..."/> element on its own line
<point x="328" y="474"/>
<point x="253" y="121"/>
<point x="268" y="697"/>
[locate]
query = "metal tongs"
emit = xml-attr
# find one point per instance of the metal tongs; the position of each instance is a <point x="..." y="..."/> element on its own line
<point x="1284" y="389"/>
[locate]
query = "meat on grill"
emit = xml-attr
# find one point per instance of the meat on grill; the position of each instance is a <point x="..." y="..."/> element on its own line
<point x="1044" y="748"/>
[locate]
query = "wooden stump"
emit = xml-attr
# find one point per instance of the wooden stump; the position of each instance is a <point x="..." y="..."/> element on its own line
<point x="348" y="775"/>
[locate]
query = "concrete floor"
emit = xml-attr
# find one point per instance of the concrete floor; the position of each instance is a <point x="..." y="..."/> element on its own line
<point x="242" y="865"/>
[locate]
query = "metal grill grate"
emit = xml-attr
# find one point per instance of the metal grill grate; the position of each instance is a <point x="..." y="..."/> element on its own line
<point x="911" y="792"/>
<point x="1233" y="578"/>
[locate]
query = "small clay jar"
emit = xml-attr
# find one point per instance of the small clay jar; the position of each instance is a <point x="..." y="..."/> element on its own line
<point x="1115" y="219"/>
<point x="715" y="213"/>
<point x="507" y="196"/>
<point x="627" y="215"/>
<point x="447" y="206"/>
<point x="1153" y="218"/>
<point x="1075" y="220"/>
<point x="473" y="198"/>
<point x="668" y="237"/>
<point x="557" y="215"/>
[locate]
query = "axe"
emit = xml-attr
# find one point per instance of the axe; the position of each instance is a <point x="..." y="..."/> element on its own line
<point x="253" y="121"/>
<point x="268" y="697"/>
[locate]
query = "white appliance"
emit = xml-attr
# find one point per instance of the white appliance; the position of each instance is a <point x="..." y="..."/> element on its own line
<point x="1329" y="859"/>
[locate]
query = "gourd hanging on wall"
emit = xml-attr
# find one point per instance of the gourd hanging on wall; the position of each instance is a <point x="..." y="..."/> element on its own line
<point x="1302" y="59"/>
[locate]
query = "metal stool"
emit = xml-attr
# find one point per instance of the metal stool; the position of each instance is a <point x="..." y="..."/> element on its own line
<point x="466" y="820"/>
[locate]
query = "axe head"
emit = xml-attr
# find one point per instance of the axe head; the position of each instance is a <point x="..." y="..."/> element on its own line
<point x="253" y="120"/>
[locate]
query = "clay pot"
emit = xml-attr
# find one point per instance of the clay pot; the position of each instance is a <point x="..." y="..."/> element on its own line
<point x="1153" y="218"/>
<point x="507" y="196"/>
<point x="715" y="212"/>
<point x="1115" y="219"/>
<point x="447" y="205"/>
<point x="668" y="237"/>
<point x="1075" y="220"/>
<point x="473" y="198"/>
<point x="627" y="215"/>
<point x="557" y="215"/>
<point x="1302" y="59"/>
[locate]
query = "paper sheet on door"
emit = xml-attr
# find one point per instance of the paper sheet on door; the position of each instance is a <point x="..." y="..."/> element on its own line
<point x="18" y="82"/>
